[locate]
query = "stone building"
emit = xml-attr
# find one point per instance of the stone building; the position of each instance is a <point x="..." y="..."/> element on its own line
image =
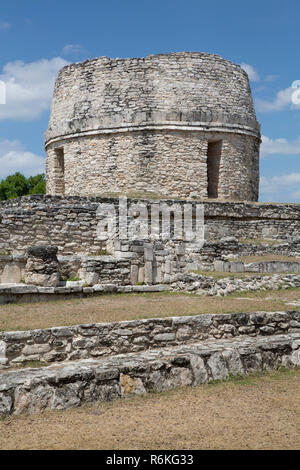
<point x="177" y="125"/>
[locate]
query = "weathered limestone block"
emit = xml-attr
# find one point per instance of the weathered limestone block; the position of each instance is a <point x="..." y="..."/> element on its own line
<point x="148" y="252"/>
<point x="219" y="266"/>
<point x="12" y="273"/>
<point x="237" y="267"/>
<point x="131" y="386"/>
<point x="3" y="358"/>
<point x="141" y="275"/>
<point x="218" y="368"/>
<point x="134" y="274"/>
<point x="148" y="272"/>
<point x="42" y="267"/>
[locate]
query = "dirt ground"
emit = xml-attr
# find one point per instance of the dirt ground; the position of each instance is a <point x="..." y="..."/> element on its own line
<point x="107" y="308"/>
<point x="258" y="412"/>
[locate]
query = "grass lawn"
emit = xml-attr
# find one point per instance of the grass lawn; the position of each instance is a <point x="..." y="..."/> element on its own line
<point x="118" y="307"/>
<point x="261" y="411"/>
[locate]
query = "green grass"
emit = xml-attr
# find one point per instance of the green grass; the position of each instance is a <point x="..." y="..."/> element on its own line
<point x="100" y="253"/>
<point x="27" y="364"/>
<point x="72" y="278"/>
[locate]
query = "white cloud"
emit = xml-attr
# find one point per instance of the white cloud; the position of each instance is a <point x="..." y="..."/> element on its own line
<point x="13" y="158"/>
<point x="283" y="188"/>
<point x="4" y="25"/>
<point x="271" y="78"/>
<point x="279" y="146"/>
<point x="74" y="50"/>
<point x="252" y="74"/>
<point x="259" y="89"/>
<point x="29" y="88"/>
<point x="283" y="100"/>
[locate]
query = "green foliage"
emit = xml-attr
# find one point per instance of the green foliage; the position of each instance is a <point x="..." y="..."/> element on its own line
<point x="102" y="252"/>
<point x="37" y="184"/>
<point x="18" y="185"/>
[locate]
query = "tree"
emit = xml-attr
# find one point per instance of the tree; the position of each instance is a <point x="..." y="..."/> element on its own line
<point x="36" y="184"/>
<point x="18" y="185"/>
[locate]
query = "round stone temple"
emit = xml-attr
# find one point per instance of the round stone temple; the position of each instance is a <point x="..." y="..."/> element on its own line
<point x="169" y="125"/>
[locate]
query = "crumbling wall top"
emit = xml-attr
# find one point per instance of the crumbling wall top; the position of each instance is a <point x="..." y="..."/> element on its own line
<point x="183" y="87"/>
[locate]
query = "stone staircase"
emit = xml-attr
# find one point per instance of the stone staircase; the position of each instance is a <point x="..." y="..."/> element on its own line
<point x="166" y="357"/>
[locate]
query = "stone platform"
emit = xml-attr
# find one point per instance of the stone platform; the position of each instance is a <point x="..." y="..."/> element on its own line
<point x="71" y="384"/>
<point x="98" y="340"/>
<point x="20" y="293"/>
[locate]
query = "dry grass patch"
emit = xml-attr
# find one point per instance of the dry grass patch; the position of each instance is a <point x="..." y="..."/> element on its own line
<point x="226" y="275"/>
<point x="260" y="241"/>
<point x="258" y="412"/>
<point x="119" y="307"/>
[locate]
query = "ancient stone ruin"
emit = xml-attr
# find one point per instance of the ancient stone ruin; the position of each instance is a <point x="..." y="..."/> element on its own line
<point x="176" y="125"/>
<point x="177" y="134"/>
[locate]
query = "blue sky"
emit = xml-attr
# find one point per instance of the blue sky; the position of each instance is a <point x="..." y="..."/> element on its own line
<point x="38" y="37"/>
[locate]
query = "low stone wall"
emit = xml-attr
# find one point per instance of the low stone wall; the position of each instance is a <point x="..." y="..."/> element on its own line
<point x="259" y="267"/>
<point x="70" y="222"/>
<point x="140" y="262"/>
<point x="182" y="282"/>
<point x="105" y="269"/>
<point x="230" y="248"/>
<point x="205" y="285"/>
<point x="105" y="339"/>
<point x="69" y="385"/>
<point x="21" y="293"/>
<point x="154" y="263"/>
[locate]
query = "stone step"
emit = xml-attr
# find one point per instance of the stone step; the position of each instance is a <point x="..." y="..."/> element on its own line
<point x="14" y="293"/>
<point x="98" y="340"/>
<point x="66" y="385"/>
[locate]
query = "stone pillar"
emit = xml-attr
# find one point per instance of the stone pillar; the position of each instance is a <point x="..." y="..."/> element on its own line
<point x="149" y="258"/>
<point x="42" y="267"/>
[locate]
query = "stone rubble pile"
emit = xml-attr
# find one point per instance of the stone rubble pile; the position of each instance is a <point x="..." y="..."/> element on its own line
<point x="203" y="285"/>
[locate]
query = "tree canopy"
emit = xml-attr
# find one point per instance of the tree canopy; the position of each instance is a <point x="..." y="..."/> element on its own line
<point x="18" y="185"/>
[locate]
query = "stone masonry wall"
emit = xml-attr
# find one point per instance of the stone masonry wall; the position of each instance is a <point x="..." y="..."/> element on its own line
<point x="177" y="87"/>
<point x="106" y="339"/>
<point x="70" y="222"/>
<point x="68" y="385"/>
<point x="158" y="162"/>
<point x="130" y="125"/>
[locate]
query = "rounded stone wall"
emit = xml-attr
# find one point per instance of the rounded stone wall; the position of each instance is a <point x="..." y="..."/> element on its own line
<point x="176" y="125"/>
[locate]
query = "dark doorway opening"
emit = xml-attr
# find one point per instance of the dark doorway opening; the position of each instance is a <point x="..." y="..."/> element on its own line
<point x="214" y="150"/>
<point x="59" y="171"/>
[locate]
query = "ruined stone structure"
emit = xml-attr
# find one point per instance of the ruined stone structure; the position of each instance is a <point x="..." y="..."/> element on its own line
<point x="179" y="125"/>
<point x="176" y="125"/>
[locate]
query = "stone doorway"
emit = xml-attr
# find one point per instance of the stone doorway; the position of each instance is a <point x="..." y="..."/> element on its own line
<point x="59" y="171"/>
<point x="214" y="151"/>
